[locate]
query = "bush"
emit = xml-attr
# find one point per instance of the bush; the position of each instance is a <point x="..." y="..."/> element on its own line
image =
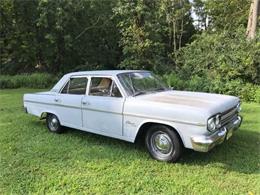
<point x="219" y="62"/>
<point x="175" y="81"/>
<point x="36" y="80"/>
<point x="246" y="91"/>
<point x="257" y="95"/>
<point x="226" y="55"/>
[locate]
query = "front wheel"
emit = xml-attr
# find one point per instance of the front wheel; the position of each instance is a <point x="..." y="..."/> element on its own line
<point x="53" y="123"/>
<point x="163" y="143"/>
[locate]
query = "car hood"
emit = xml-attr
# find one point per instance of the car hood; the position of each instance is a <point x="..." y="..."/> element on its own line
<point x="212" y="103"/>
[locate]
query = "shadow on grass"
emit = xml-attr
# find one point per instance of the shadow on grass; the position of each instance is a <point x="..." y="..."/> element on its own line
<point x="240" y="153"/>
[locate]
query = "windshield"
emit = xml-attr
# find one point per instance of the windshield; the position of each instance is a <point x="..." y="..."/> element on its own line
<point x="138" y="83"/>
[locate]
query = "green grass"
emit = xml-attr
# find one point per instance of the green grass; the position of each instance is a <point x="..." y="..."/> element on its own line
<point x="32" y="160"/>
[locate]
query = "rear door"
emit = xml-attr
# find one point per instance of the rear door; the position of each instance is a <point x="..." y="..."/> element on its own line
<point x="69" y="102"/>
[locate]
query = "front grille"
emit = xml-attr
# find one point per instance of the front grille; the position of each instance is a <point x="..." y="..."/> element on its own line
<point x="229" y="115"/>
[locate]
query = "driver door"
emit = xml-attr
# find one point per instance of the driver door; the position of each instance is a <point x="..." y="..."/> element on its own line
<point x="102" y="108"/>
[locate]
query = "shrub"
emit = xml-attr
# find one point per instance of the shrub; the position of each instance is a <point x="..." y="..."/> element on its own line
<point x="174" y="81"/>
<point x="219" y="62"/>
<point x="257" y="94"/>
<point x="246" y="91"/>
<point x="226" y="55"/>
<point x="35" y="80"/>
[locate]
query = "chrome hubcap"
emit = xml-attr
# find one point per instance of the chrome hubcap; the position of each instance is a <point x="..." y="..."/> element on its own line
<point x="54" y="124"/>
<point x="161" y="143"/>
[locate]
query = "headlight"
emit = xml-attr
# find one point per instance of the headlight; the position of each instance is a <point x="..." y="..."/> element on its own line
<point x="239" y="107"/>
<point x="214" y="123"/>
<point x="211" y="124"/>
<point x="217" y="121"/>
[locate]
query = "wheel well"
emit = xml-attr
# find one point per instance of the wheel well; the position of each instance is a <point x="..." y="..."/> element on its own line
<point x="44" y="115"/>
<point x="144" y="128"/>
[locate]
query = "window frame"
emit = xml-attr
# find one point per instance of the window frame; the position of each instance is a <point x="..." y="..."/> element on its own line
<point x="88" y="77"/>
<point x="68" y="82"/>
<point x="113" y="82"/>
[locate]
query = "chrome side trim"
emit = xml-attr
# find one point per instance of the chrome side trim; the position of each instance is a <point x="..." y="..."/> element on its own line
<point x="41" y="94"/>
<point x="75" y="107"/>
<point x="124" y="114"/>
<point x="163" y="119"/>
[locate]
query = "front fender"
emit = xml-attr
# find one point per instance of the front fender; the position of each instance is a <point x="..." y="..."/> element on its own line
<point x="133" y="124"/>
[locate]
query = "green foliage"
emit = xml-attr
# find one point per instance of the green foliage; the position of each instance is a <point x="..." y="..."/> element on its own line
<point x="257" y="94"/>
<point x="246" y="91"/>
<point x="227" y="14"/>
<point x="35" y="161"/>
<point x="17" y="40"/>
<point x="159" y="35"/>
<point x="140" y="43"/>
<point x="222" y="56"/>
<point x="36" y="80"/>
<point x="57" y="36"/>
<point x="151" y="30"/>
<point x="219" y="15"/>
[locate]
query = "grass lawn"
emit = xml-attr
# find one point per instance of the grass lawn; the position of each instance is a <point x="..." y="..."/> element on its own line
<point x="32" y="160"/>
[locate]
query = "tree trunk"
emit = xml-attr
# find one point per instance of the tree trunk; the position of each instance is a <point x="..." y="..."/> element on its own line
<point x="252" y="19"/>
<point x="181" y="33"/>
<point x="174" y="38"/>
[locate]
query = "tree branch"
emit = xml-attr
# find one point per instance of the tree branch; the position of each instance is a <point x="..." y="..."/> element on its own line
<point x="86" y="29"/>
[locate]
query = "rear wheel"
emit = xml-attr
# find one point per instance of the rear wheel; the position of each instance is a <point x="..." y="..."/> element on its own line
<point x="53" y="123"/>
<point x="163" y="143"/>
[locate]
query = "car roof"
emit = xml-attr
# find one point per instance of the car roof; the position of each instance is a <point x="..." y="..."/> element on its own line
<point x="103" y="72"/>
<point x="64" y="79"/>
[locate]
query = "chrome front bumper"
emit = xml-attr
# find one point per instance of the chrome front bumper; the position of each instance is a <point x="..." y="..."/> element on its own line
<point x="206" y="143"/>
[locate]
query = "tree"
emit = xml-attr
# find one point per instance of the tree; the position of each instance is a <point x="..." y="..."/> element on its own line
<point x="226" y="14"/>
<point x="179" y="28"/>
<point x="78" y="35"/>
<point x="151" y="31"/>
<point x="17" y="39"/>
<point x="252" y="19"/>
<point x="57" y="36"/>
<point x="201" y="16"/>
<point x="140" y="39"/>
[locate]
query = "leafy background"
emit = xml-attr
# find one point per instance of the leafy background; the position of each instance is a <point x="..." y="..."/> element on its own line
<point x="193" y="45"/>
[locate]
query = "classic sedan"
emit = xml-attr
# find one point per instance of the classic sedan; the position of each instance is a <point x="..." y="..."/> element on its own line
<point x="136" y="104"/>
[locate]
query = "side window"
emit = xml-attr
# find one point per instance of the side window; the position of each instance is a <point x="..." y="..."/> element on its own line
<point x="76" y="86"/>
<point x="115" y="91"/>
<point x="65" y="88"/>
<point x="101" y="86"/>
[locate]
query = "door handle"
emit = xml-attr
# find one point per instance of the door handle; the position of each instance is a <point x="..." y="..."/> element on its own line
<point x="85" y="103"/>
<point x="56" y="99"/>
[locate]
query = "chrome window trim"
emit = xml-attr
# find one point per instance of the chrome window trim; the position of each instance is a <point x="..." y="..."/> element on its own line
<point x="113" y="78"/>
<point x="68" y="81"/>
<point x="105" y="76"/>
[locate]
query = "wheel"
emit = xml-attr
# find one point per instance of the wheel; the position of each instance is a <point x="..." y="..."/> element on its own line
<point x="53" y="123"/>
<point x="163" y="143"/>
